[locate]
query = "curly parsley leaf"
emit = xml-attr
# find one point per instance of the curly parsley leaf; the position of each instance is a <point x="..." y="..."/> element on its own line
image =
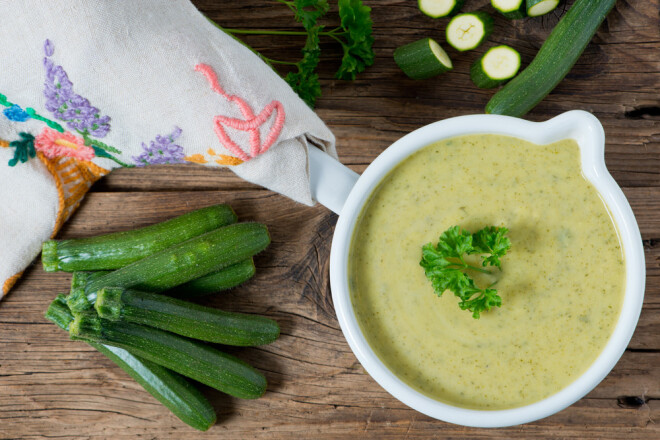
<point x="445" y="266"/>
<point x="486" y="299"/>
<point x="455" y="242"/>
<point x="309" y="11"/>
<point x="493" y="241"/>
<point x="357" y="25"/>
<point x="354" y="35"/>
<point x="305" y="82"/>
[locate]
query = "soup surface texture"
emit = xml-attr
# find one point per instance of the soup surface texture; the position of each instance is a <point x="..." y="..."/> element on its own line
<point x="562" y="282"/>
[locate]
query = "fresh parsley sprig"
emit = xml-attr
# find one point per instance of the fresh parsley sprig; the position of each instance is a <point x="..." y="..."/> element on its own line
<point x="445" y="265"/>
<point x="353" y="33"/>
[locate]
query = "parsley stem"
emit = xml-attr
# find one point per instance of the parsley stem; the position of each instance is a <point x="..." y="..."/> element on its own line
<point x="331" y="33"/>
<point x="478" y="269"/>
<point x="272" y="61"/>
<point x="464" y="265"/>
<point x="263" y="32"/>
<point x="243" y="43"/>
<point x="336" y="38"/>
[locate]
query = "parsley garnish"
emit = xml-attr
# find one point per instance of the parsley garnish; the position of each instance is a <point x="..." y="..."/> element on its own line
<point x="354" y="35"/>
<point x="445" y="265"/>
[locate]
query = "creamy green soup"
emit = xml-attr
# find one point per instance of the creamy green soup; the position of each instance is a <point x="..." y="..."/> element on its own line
<point x="562" y="282"/>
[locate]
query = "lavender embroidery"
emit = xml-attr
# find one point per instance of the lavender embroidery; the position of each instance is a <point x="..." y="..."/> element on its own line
<point x="68" y="106"/>
<point x="161" y="150"/>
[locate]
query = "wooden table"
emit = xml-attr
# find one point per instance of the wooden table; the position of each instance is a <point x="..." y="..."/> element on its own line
<point x="51" y="387"/>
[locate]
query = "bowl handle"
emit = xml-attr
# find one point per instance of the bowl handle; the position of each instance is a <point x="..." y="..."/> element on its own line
<point x="330" y="181"/>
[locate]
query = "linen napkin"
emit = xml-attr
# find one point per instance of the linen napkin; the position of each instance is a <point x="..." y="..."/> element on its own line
<point x="90" y="86"/>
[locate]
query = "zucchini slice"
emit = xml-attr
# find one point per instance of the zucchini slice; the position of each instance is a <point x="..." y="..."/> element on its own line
<point x="422" y="59"/>
<point x="511" y="9"/>
<point x="536" y="8"/>
<point x="498" y="65"/>
<point x="468" y="31"/>
<point x="440" y="8"/>
<point x="554" y="60"/>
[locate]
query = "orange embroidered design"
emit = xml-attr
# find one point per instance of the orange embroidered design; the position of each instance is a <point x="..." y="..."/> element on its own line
<point x="222" y="159"/>
<point x="73" y="179"/>
<point x="196" y="158"/>
<point x="10" y="282"/>
<point x="251" y="123"/>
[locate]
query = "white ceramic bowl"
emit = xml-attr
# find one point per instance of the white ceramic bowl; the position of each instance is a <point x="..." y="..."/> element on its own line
<point x="342" y="191"/>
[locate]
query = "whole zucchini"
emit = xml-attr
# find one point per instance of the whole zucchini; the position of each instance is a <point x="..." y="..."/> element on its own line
<point x="554" y="60"/>
<point x="181" y="263"/>
<point x="224" y="279"/>
<point x="185" y="318"/>
<point x="188" y="357"/>
<point x="112" y="251"/>
<point x="168" y="387"/>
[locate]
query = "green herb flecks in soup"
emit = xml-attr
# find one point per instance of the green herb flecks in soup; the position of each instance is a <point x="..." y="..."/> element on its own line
<point x="561" y="283"/>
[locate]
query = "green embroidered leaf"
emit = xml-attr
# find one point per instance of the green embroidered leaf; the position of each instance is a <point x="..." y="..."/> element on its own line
<point x="100" y="145"/>
<point x="4" y="102"/>
<point x="52" y="124"/>
<point x="102" y="153"/>
<point x="24" y="149"/>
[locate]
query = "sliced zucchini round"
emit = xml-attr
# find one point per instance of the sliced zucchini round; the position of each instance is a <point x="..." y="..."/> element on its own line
<point x="440" y="8"/>
<point x="422" y="59"/>
<point x="540" y="7"/>
<point x="498" y="65"/>
<point x="468" y="31"/>
<point x="511" y="9"/>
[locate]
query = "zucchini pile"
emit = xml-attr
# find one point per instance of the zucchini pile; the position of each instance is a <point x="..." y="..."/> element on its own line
<point x="499" y="65"/>
<point x="126" y="301"/>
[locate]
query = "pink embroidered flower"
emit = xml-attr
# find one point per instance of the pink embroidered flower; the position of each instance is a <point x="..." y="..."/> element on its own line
<point x="54" y="144"/>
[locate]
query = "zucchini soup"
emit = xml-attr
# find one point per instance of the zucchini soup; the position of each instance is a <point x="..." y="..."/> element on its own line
<point x="562" y="281"/>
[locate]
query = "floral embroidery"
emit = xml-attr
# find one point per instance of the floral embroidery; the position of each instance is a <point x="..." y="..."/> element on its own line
<point x="88" y="125"/>
<point x="76" y="111"/>
<point x="29" y="111"/>
<point x="161" y="150"/>
<point x="68" y="106"/>
<point x="54" y="144"/>
<point x="24" y="149"/>
<point x="251" y="124"/>
<point x="16" y="113"/>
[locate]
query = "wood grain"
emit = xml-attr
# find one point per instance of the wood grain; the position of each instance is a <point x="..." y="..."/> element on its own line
<point x="51" y="387"/>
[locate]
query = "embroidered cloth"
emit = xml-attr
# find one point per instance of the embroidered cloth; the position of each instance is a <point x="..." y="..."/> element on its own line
<point x="89" y="86"/>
